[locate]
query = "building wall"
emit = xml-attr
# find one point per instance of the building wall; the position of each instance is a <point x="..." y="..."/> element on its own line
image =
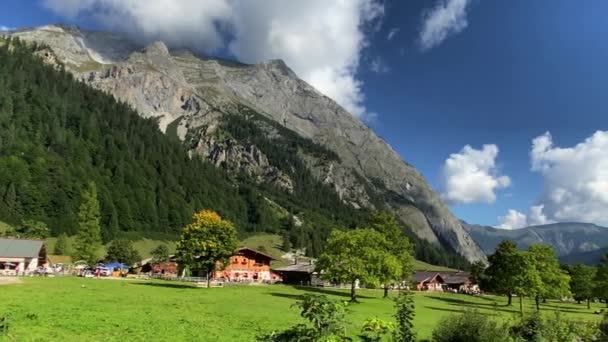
<point x="247" y="266"/>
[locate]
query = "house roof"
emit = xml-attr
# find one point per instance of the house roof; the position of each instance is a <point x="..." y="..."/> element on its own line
<point x="421" y="277"/>
<point x="59" y="259"/>
<point x="456" y="278"/>
<point x="301" y="267"/>
<point x="256" y="252"/>
<point x="19" y="248"/>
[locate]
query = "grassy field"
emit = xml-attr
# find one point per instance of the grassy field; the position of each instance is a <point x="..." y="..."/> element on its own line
<point x="77" y="309"/>
<point x="423" y="266"/>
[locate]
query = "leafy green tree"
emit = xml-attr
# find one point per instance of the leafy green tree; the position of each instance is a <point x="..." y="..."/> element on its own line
<point x="207" y="243"/>
<point x="88" y="237"/>
<point x="526" y="280"/>
<point x="32" y="230"/>
<point x="555" y="283"/>
<point x="503" y="269"/>
<point x="405" y="318"/>
<point x="478" y="273"/>
<point x="581" y="283"/>
<point x="398" y="245"/>
<point x="357" y="255"/>
<point x="600" y="282"/>
<point x="471" y="326"/>
<point x="62" y="245"/>
<point x="123" y="252"/>
<point x="161" y="253"/>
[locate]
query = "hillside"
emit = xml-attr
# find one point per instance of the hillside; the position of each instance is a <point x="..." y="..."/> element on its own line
<point x="198" y="100"/>
<point x="60" y="134"/>
<point x="587" y="258"/>
<point x="567" y="238"/>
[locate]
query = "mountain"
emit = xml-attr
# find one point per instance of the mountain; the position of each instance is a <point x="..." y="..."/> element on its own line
<point x="218" y="109"/>
<point x="587" y="258"/>
<point x="568" y="238"/>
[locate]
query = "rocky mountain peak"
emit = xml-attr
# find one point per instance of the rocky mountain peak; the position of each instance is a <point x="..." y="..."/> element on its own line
<point x="189" y="94"/>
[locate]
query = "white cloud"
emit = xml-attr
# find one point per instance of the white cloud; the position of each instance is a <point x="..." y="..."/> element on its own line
<point x="378" y="66"/>
<point x="513" y="220"/>
<point x="447" y="18"/>
<point x="391" y="34"/>
<point x="575" y="178"/>
<point x="6" y="28"/>
<point x="321" y="41"/>
<point x="471" y="176"/>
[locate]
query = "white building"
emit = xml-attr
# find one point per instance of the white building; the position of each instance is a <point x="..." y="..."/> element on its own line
<point x="21" y="255"/>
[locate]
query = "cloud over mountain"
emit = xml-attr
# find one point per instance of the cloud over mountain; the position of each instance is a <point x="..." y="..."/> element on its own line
<point x="321" y="41"/>
<point x="471" y="176"/>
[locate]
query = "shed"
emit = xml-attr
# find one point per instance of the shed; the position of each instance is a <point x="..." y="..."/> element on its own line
<point x="21" y="255"/>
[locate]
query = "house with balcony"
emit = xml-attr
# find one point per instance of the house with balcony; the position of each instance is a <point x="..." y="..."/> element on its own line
<point x="248" y="265"/>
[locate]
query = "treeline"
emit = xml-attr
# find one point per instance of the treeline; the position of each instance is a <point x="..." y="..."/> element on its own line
<point x="536" y="273"/>
<point x="58" y="135"/>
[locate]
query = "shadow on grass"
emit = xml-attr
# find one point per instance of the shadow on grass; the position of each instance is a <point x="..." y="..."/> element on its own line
<point x="332" y="292"/>
<point x="462" y="310"/>
<point x="168" y="285"/>
<point x="286" y="295"/>
<point x="466" y="304"/>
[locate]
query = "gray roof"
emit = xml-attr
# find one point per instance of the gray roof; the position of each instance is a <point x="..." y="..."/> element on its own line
<point x="19" y="248"/>
<point x="304" y="267"/>
<point x="422" y="276"/>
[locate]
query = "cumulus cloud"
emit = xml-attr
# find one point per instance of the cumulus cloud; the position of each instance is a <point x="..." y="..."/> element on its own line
<point x="471" y="176"/>
<point x="513" y="220"/>
<point x="575" y="178"/>
<point x="321" y="41"/>
<point x="447" y="18"/>
<point x="392" y="33"/>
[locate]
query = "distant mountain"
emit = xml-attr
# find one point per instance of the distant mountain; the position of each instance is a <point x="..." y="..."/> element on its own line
<point x="567" y="238"/>
<point x="587" y="258"/>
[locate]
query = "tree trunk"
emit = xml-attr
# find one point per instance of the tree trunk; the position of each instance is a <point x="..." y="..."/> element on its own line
<point x="537" y="299"/>
<point x="588" y="303"/>
<point x="510" y="296"/>
<point x="208" y="279"/>
<point x="521" y="304"/>
<point x="353" y="297"/>
<point x="385" y="291"/>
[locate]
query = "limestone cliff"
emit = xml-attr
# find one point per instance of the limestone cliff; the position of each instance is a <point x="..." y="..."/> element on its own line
<point x="190" y="95"/>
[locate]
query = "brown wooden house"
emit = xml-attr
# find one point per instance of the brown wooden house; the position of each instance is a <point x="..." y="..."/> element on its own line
<point x="428" y="281"/>
<point x="248" y="265"/>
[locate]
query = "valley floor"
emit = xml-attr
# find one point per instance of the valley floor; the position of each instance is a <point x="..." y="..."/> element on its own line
<point x="78" y="309"/>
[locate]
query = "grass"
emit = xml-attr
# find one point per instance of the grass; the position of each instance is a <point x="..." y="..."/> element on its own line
<point x="269" y="244"/>
<point x="4" y="227"/>
<point x="77" y="309"/>
<point x="423" y="266"/>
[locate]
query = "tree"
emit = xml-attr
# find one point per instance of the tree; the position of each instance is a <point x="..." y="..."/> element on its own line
<point x="405" y="318"/>
<point x="357" y="255"/>
<point x="207" y="243"/>
<point x="581" y="283"/>
<point x="88" y="237"/>
<point x="555" y="283"/>
<point x="600" y="283"/>
<point x="32" y="230"/>
<point x="502" y="270"/>
<point x="123" y="252"/>
<point x="526" y="278"/>
<point x="286" y="246"/>
<point x="478" y="273"/>
<point x="161" y="253"/>
<point x="62" y="245"/>
<point x="398" y="245"/>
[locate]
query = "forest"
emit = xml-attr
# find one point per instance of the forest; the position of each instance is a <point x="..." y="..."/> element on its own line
<point x="57" y="135"/>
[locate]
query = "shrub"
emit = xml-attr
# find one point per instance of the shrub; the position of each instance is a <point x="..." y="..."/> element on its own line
<point x="534" y="327"/>
<point x="471" y="326"/>
<point x="404" y="317"/>
<point x="374" y="329"/>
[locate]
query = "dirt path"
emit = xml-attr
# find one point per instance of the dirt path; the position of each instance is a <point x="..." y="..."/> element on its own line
<point x="9" y="280"/>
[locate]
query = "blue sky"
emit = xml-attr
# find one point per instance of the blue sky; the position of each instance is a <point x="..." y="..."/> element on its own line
<point x="505" y="73"/>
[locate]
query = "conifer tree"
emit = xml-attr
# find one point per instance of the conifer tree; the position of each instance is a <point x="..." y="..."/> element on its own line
<point x="61" y="247"/>
<point x="88" y="238"/>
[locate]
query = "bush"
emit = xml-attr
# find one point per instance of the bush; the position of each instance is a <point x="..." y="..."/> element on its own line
<point x="405" y="318"/>
<point x="553" y="329"/>
<point x="603" y="329"/>
<point x="471" y="326"/>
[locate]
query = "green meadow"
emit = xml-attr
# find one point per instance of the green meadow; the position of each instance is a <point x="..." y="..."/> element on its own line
<point x="78" y="309"/>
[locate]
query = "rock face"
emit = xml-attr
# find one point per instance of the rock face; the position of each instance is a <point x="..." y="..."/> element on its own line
<point x="190" y="94"/>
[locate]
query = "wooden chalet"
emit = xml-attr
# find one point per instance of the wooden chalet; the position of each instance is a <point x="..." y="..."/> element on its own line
<point x="248" y="265"/>
<point x="428" y="281"/>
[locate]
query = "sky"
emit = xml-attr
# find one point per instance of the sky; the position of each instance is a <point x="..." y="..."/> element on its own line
<point x="499" y="104"/>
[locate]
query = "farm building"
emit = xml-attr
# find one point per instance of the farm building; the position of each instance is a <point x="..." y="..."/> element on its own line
<point x="151" y="266"/>
<point x="248" y="265"/>
<point x="428" y="281"/>
<point x="299" y="274"/>
<point x="21" y="255"/>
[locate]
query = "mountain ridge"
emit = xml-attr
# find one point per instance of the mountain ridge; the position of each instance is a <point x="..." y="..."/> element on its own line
<point x="194" y="95"/>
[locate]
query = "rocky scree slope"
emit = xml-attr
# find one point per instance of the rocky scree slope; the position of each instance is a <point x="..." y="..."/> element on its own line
<point x="191" y="96"/>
